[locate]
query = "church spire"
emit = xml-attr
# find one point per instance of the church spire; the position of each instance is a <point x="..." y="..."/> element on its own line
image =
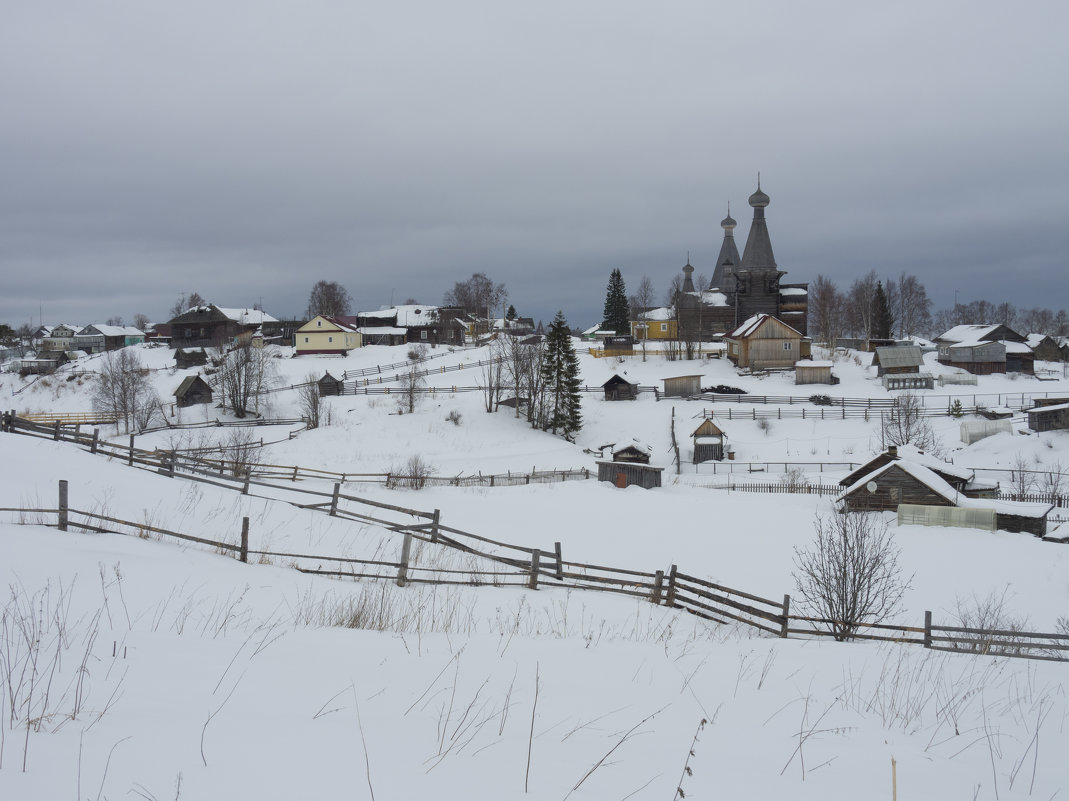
<point x="728" y="260"/>
<point x="757" y="255"/>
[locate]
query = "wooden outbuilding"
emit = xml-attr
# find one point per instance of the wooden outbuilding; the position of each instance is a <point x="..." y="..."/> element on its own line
<point x="898" y="360"/>
<point x="682" y="386"/>
<point x="814" y="372"/>
<point x="192" y="391"/>
<point x="634" y="452"/>
<point x="194" y="357"/>
<point x="985" y="349"/>
<point x="329" y="385"/>
<point x="765" y="343"/>
<point x="708" y="442"/>
<point x="617" y="388"/>
<point x="1049" y="418"/>
<point x="627" y="474"/>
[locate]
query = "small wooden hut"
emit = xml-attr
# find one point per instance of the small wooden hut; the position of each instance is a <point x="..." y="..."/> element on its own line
<point x="1049" y="418"/>
<point x="617" y="388"/>
<point x="814" y="372"/>
<point x="194" y="357"/>
<point x="626" y="474"/>
<point x="898" y="361"/>
<point x="682" y="386"/>
<point x="708" y="442"/>
<point x="329" y="385"/>
<point x="192" y="391"/>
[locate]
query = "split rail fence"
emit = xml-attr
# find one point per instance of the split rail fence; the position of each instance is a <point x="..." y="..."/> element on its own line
<point x="532" y="567"/>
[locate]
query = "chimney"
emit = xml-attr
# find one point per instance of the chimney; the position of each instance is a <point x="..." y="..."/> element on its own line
<point x="892" y="451"/>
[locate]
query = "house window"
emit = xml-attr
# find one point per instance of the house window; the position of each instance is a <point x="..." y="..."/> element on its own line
<point x="306" y="340"/>
<point x="664" y="326"/>
<point x="330" y="339"/>
<point x="319" y="323"/>
<point x="788" y="345"/>
<point x="423" y="334"/>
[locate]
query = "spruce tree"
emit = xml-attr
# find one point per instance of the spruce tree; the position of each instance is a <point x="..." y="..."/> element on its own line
<point x="560" y="380"/>
<point x="616" y="306"/>
<point x="881" y="314"/>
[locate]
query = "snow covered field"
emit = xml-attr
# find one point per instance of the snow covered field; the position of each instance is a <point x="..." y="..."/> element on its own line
<point x="182" y="673"/>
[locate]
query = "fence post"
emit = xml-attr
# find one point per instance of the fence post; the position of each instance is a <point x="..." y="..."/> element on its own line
<point x="406" y="550"/>
<point x="334" y="501"/>
<point x="658" y="586"/>
<point x="536" y="556"/>
<point x="96" y="439"/>
<point x="130" y="460"/>
<point x="670" y="599"/>
<point x="434" y="525"/>
<point x="927" y="629"/>
<point x="55" y="431"/>
<point x="245" y="540"/>
<point x="294" y="473"/>
<point x="170" y="465"/>
<point x="62" y="515"/>
<point x="560" y="562"/>
<point x="786" y="616"/>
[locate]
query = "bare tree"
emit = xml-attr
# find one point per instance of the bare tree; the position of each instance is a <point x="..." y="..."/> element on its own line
<point x="910" y="305"/>
<point x="328" y="298"/>
<point x="116" y="320"/>
<point x="850" y="576"/>
<point x="516" y="357"/>
<point x="1053" y="482"/>
<point x="142" y="322"/>
<point x="185" y="303"/>
<point x="906" y="424"/>
<point x="491" y="379"/>
<point x="246" y="371"/>
<point x="478" y="295"/>
<point x="1022" y="477"/>
<point x="859" y="305"/>
<point x="642" y="302"/>
<point x="123" y="389"/>
<point x="412" y="380"/>
<point x="310" y="400"/>
<point x="826" y="310"/>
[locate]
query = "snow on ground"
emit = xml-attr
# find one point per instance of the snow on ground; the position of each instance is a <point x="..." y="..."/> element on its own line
<point x="218" y="680"/>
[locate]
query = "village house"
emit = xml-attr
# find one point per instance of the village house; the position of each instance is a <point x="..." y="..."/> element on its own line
<point x="985" y="349"/>
<point x="97" y="338"/>
<point x="327" y="335"/>
<point x="399" y="325"/>
<point x="214" y="326"/>
<point x="1045" y="348"/>
<point x="56" y="340"/>
<point x="656" y="324"/>
<point x="765" y="343"/>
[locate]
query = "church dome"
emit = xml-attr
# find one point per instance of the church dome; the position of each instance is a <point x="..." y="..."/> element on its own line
<point x="759" y="199"/>
<point x="728" y="223"/>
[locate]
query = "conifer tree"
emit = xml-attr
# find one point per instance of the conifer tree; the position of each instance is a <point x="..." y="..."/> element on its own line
<point x="882" y="321"/>
<point x="560" y="380"/>
<point x="616" y="306"/>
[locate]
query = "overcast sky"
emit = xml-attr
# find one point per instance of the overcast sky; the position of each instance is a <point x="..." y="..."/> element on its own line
<point x="245" y="150"/>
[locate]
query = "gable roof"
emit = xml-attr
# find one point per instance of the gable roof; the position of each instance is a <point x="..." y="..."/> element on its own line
<point x="911" y="454"/>
<point x="708" y="429"/>
<point x="979" y="333"/>
<point x="338" y="323"/>
<point x="750" y="326"/>
<point x="188" y="383"/>
<point x="908" y="356"/>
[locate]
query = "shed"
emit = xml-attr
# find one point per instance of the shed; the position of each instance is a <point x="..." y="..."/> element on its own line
<point x="898" y="360"/>
<point x="634" y="452"/>
<point x="682" y="386"/>
<point x="617" y="388"/>
<point x="626" y="474"/>
<point x="329" y="385"/>
<point x="192" y="391"/>
<point x="708" y="442"/>
<point x="1049" y="418"/>
<point x="193" y="357"/>
<point x="814" y="372"/>
<point x="765" y="343"/>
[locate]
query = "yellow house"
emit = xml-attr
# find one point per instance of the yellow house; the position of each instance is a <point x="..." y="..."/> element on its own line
<point x="326" y="335"/>
<point x="655" y="324"/>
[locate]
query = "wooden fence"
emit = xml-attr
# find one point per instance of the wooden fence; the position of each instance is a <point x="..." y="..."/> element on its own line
<point x="71" y="418"/>
<point x="532" y="568"/>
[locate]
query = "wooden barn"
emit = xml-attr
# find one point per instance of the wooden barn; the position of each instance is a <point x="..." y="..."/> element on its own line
<point x="192" y="391"/>
<point x="814" y="372"/>
<point x="905" y="482"/>
<point x="985" y="349"/>
<point x="682" y="386"/>
<point x="1053" y="417"/>
<point x="628" y="474"/>
<point x="329" y="385"/>
<point x="708" y="442"/>
<point x="194" y="357"/>
<point x="765" y="343"/>
<point x="617" y="388"/>
<point x="898" y="361"/>
<point x="1044" y="347"/>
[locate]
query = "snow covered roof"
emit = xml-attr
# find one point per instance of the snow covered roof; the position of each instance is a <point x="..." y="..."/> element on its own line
<point x="247" y="316"/>
<point x="942" y="488"/>
<point x="382" y="329"/>
<point x="1057" y="407"/>
<point x="113" y="330"/>
<point x="658" y="315"/>
<point x="793" y="290"/>
<point x="755" y="322"/>
<point x="711" y="297"/>
<point x="967" y="333"/>
<point x="813" y="363"/>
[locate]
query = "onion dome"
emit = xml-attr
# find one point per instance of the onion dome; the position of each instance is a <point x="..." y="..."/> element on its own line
<point x="728" y="223"/>
<point x="759" y="199"/>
